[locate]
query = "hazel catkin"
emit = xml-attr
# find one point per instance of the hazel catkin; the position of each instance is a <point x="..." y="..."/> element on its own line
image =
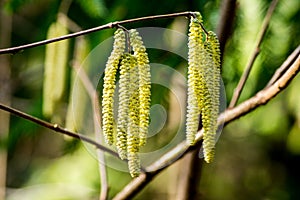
<point x="203" y="85"/>
<point x="109" y="86"/>
<point x="144" y="83"/>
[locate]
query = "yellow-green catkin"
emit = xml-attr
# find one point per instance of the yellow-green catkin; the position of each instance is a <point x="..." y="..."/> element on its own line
<point x="123" y="109"/>
<point x="195" y="78"/>
<point x="109" y="86"/>
<point x="144" y="83"/>
<point x="213" y="63"/>
<point x="203" y="85"/>
<point x="62" y="49"/>
<point x="133" y="131"/>
<point x="134" y="164"/>
<point x="133" y="136"/>
<point x="48" y="103"/>
<point x="56" y="59"/>
<point x="208" y="110"/>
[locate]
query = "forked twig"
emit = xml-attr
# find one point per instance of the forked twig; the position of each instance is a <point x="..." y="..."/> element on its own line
<point x="243" y="79"/>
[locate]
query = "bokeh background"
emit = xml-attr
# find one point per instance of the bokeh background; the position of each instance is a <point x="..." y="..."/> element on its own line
<point x="257" y="156"/>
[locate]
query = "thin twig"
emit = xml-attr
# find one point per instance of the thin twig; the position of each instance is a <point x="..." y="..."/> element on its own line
<point x="56" y="128"/>
<point x="261" y="98"/>
<point x="263" y="30"/>
<point x="281" y="70"/>
<point x="126" y="31"/>
<point x="227" y="15"/>
<point x="14" y="50"/>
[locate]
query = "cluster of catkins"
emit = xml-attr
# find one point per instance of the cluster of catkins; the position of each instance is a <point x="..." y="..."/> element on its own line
<point x="203" y="85"/>
<point x="134" y="92"/>
<point x="134" y="98"/>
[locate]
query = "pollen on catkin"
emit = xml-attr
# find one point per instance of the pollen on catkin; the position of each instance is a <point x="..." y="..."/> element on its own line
<point x="133" y="135"/>
<point x="203" y="85"/>
<point x="109" y="86"/>
<point x="195" y="78"/>
<point x="123" y="110"/>
<point x="144" y="83"/>
<point x="213" y="60"/>
<point x="134" y="164"/>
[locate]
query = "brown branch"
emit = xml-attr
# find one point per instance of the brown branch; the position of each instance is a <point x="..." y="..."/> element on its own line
<point x="263" y="30"/>
<point x="56" y="128"/>
<point x="285" y="65"/>
<point x="261" y="98"/>
<point x="14" y="50"/>
<point x="189" y="178"/>
<point x="227" y="15"/>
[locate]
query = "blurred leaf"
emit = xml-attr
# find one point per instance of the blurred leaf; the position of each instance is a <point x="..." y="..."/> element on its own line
<point x="293" y="140"/>
<point x="93" y="8"/>
<point x="78" y="97"/>
<point x="70" y="146"/>
<point x="13" y="5"/>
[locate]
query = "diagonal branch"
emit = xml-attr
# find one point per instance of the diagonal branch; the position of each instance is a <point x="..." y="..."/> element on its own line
<point x="56" y="128"/>
<point x="241" y="84"/>
<point x="285" y="65"/>
<point x="261" y="98"/>
<point x="227" y="15"/>
<point x="14" y="50"/>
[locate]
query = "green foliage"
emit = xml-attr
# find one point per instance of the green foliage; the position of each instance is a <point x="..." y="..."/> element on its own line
<point x="256" y="157"/>
<point x="13" y="5"/>
<point x="93" y="8"/>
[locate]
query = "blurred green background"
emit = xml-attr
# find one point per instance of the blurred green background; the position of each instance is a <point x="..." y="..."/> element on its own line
<point x="257" y="156"/>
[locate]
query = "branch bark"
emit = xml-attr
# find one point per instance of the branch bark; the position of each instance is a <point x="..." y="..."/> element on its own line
<point x="56" y="128"/>
<point x="261" y="98"/>
<point x="285" y="65"/>
<point x="227" y="15"/>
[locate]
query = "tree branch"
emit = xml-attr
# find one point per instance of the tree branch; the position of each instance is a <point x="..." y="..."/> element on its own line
<point x="285" y="65"/>
<point x="14" y="50"/>
<point x="56" y="128"/>
<point x="263" y="30"/>
<point x="261" y="98"/>
<point x="227" y="15"/>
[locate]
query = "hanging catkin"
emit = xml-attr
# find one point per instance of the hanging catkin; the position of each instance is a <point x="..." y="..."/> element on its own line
<point x="213" y="61"/>
<point x="109" y="86"/>
<point x="203" y="85"/>
<point x="144" y="83"/>
<point x="123" y="110"/>
<point x="133" y="131"/>
<point x="196" y="82"/>
<point x="134" y="97"/>
<point x="55" y="68"/>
